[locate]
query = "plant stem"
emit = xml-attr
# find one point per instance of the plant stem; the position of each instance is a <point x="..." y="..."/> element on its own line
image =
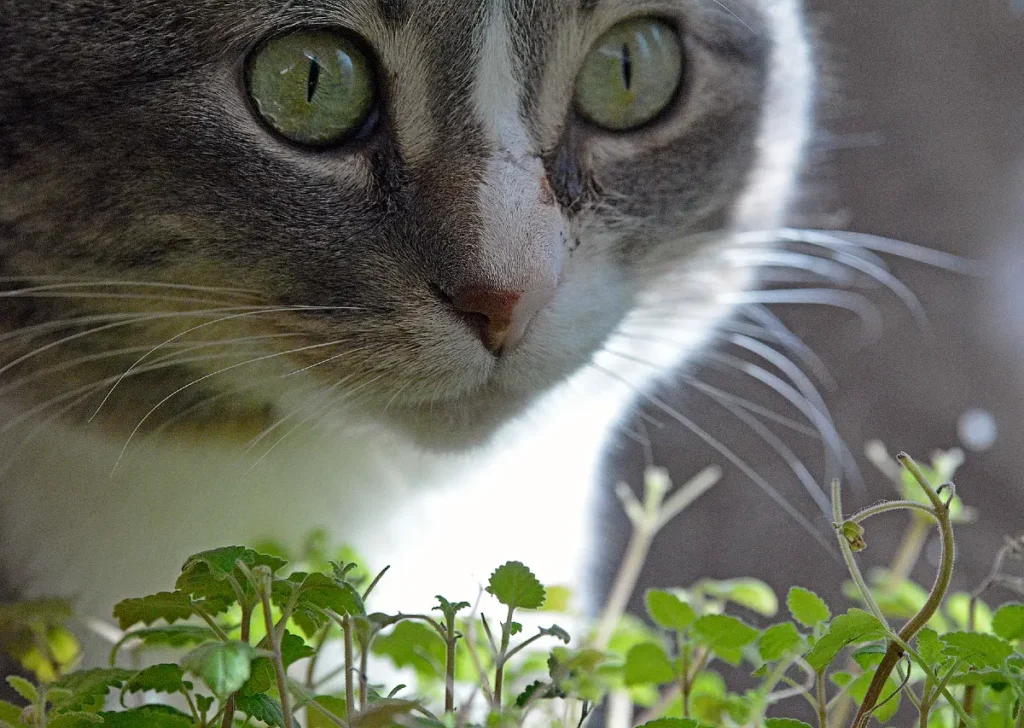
<point x="449" y="665"/>
<point x="895" y="649"/>
<point x="350" y="695"/>
<point x="851" y="562"/>
<point x="275" y="646"/>
<point x="822" y="700"/>
<point x="499" y="666"/>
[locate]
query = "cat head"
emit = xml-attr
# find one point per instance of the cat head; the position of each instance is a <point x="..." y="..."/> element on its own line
<point x="426" y="212"/>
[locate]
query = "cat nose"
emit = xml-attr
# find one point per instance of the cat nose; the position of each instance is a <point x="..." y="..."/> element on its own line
<point x="501" y="317"/>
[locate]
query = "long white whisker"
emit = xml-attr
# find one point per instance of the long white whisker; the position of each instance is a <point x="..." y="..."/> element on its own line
<point x="737" y="461"/>
<point x="208" y="376"/>
<point x="260" y="312"/>
<point x="71" y="282"/>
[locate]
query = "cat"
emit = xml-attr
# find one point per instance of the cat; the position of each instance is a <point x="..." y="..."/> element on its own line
<point x="395" y="268"/>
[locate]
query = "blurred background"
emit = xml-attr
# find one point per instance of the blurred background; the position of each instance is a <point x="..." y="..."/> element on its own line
<point x="921" y="140"/>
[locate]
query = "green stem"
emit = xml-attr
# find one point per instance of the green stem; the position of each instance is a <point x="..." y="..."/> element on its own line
<point x="275" y="645"/>
<point x="350" y="695"/>
<point x="822" y="700"/>
<point x="895" y="650"/>
<point x="888" y="506"/>
<point x="848" y="558"/>
<point x="449" y="664"/>
<point x="499" y="671"/>
<point x="203" y="615"/>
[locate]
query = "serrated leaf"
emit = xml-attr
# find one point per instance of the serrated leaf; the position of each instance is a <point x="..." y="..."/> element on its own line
<point x="807" y="607"/>
<point x="319" y="592"/>
<point x="89" y="688"/>
<point x="204" y="702"/>
<point x="177" y="635"/>
<point x="669" y="611"/>
<point x="164" y="678"/>
<point x="168" y="606"/>
<point x="785" y="723"/>
<point x="23" y="688"/>
<point x="929" y="648"/>
<point x="206" y="575"/>
<point x="450" y="609"/>
<point x="11" y="714"/>
<point x="1008" y="622"/>
<point x="977" y="650"/>
<point x="293" y="649"/>
<point x="514" y="628"/>
<point x="515" y="586"/>
<point x="261" y="677"/>
<point x="647" y="664"/>
<point x="223" y="666"/>
<point x="261" y="707"/>
<point x="147" y="716"/>
<point x="722" y="633"/>
<point x="753" y="594"/>
<point x="778" y="641"/>
<point x="854" y="626"/>
<point x="407" y="644"/>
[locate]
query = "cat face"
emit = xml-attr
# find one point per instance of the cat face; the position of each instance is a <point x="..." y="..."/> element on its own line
<point x="427" y="212"/>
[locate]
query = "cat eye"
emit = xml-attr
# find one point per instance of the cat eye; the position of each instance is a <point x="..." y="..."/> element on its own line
<point x="313" y="87"/>
<point x="631" y="75"/>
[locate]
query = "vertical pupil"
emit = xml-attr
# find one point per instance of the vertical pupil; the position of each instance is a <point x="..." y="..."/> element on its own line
<point x="627" y="66"/>
<point x="314" y="79"/>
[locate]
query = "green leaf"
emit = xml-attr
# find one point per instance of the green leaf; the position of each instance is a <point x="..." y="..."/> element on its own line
<point x="163" y="678"/>
<point x="177" y="635"/>
<point x="869" y="656"/>
<point x="316" y="593"/>
<point x="206" y="574"/>
<point x="753" y="594"/>
<point x="168" y="606"/>
<point x="147" y="716"/>
<point x="76" y="719"/>
<point x="204" y="703"/>
<point x="333" y="705"/>
<point x="1008" y="622"/>
<point x="382" y="713"/>
<point x="785" y="723"/>
<point x="647" y="664"/>
<point x="671" y="723"/>
<point x="807" y="607"/>
<point x="261" y="677"/>
<point x="11" y="714"/>
<point x="722" y="633"/>
<point x="223" y="666"/>
<point x="407" y="644"/>
<point x="293" y="649"/>
<point x="929" y="648"/>
<point x="23" y="688"/>
<point x="854" y="626"/>
<point x="557" y="599"/>
<point x="450" y="609"/>
<point x="515" y="586"/>
<point x="557" y="632"/>
<point x="859" y="688"/>
<point x="89" y="688"/>
<point x="977" y="650"/>
<point x="779" y="641"/>
<point x="261" y="707"/>
<point x="669" y="611"/>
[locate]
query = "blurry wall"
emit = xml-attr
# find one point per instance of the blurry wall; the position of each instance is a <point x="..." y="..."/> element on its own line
<point x="922" y="140"/>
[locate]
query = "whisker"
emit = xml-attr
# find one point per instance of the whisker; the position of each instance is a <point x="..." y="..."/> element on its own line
<point x="857" y="304"/>
<point x="790" y="341"/>
<point x="332" y="403"/>
<point x="770" y="438"/>
<point x="88" y="359"/>
<point x="737" y="461"/>
<point x="881" y="244"/>
<point x="70" y="281"/>
<point x="101" y="329"/>
<point x="208" y="376"/>
<point x="260" y="312"/>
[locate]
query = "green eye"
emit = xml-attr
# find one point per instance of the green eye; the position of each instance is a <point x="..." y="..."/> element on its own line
<point x="631" y="75"/>
<point x="314" y="87"/>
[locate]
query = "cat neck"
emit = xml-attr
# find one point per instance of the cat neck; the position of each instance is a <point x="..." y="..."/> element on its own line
<point x="442" y="521"/>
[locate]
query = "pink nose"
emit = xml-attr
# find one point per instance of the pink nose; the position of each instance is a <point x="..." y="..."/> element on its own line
<point x="501" y="317"/>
